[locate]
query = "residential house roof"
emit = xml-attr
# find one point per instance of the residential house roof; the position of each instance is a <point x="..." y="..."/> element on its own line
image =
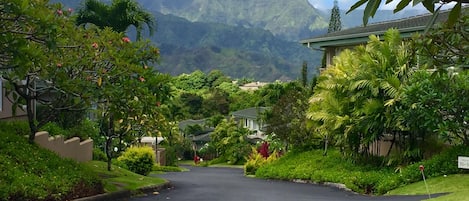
<point x="358" y="35"/>
<point x="249" y="113"/>
<point x="189" y="122"/>
<point x="201" y="138"/>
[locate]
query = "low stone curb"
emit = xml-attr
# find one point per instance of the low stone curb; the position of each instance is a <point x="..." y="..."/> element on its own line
<point x="125" y="194"/>
<point x="335" y="185"/>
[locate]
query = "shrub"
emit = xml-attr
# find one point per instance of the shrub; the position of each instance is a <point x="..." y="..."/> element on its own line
<point x="167" y="168"/>
<point x="20" y="128"/>
<point x="54" y="129"/>
<point x="256" y="160"/>
<point x="99" y="155"/>
<point x="138" y="159"/>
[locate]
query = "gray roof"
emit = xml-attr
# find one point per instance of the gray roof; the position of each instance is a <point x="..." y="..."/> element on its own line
<point x="183" y="124"/>
<point x="358" y="35"/>
<point x="201" y="138"/>
<point x="249" y="113"/>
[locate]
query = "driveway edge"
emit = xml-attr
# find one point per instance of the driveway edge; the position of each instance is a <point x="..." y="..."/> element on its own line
<point x="125" y="194"/>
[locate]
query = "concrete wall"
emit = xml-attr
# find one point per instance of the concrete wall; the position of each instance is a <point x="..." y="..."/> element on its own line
<point x="6" y="112"/>
<point x="71" y="148"/>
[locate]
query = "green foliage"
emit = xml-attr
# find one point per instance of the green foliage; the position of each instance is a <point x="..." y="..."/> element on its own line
<point x="287" y="117"/>
<point x="230" y="141"/>
<point x="362" y="178"/>
<point x="18" y="127"/>
<point x="436" y="104"/>
<point x="253" y="14"/>
<point x="99" y="155"/>
<point x="256" y="160"/>
<point x="33" y="173"/>
<point x="167" y="168"/>
<point x="120" y="15"/>
<point x="138" y="159"/>
<point x="171" y="155"/>
<point x="355" y="99"/>
<point x="334" y="23"/>
<point x="54" y="129"/>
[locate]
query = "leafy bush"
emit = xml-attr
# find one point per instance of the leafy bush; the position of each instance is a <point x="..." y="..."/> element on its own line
<point x="99" y="155"/>
<point x="29" y="172"/>
<point x="256" y="160"/>
<point x="54" y="129"/>
<point x="15" y="127"/>
<point x="138" y="159"/>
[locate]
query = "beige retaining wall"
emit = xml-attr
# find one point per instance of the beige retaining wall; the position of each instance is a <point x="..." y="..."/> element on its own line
<point x="71" y="148"/>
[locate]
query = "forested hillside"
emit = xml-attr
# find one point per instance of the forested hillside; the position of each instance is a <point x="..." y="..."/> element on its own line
<point x="291" y="20"/>
<point x="237" y="51"/>
<point x="253" y="39"/>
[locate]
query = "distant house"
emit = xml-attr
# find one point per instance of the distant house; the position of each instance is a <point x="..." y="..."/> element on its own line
<point x="252" y="86"/>
<point x="6" y="106"/>
<point x="333" y="43"/>
<point x="250" y="118"/>
<point x="196" y="131"/>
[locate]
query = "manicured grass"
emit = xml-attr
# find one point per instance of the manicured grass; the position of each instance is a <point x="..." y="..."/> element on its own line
<point x="121" y="179"/>
<point x="457" y="185"/>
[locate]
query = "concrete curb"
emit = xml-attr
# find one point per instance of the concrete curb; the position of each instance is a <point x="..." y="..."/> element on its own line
<point x="125" y="194"/>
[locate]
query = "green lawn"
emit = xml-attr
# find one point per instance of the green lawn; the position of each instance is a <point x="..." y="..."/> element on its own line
<point x="122" y="179"/>
<point x="457" y="185"/>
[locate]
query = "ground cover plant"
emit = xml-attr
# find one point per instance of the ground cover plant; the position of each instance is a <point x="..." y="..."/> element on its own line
<point x="122" y="179"/>
<point x="29" y="172"/>
<point x="362" y="178"/>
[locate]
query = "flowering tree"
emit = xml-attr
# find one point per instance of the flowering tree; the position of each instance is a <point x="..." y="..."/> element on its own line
<point x="43" y="59"/>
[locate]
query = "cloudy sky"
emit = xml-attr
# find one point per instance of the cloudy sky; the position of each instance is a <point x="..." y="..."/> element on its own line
<point x="346" y="4"/>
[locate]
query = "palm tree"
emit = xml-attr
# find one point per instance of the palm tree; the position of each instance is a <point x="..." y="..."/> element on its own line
<point x="355" y="99"/>
<point x="119" y="16"/>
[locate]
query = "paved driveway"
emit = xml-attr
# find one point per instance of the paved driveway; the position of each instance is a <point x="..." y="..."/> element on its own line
<point x="228" y="184"/>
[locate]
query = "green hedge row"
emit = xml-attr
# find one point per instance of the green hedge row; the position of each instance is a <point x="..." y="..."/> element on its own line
<point x="313" y="166"/>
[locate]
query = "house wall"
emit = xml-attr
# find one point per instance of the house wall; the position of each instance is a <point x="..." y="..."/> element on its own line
<point x="6" y="112"/>
<point x="71" y="148"/>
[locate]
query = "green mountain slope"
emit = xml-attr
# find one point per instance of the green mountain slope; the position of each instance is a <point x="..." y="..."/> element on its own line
<point x="291" y="20"/>
<point x="237" y="51"/>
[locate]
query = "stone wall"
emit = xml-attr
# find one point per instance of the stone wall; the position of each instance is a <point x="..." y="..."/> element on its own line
<point x="71" y="148"/>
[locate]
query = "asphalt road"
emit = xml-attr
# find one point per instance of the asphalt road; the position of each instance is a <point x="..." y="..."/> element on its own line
<point x="229" y="184"/>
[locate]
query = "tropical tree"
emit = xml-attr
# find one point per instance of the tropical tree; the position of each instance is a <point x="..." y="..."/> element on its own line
<point x="230" y="141"/>
<point x="286" y="119"/>
<point x="118" y="16"/>
<point x="45" y="60"/>
<point x="335" y="24"/>
<point x="355" y="99"/>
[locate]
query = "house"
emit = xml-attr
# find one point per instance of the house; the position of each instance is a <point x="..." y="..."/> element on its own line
<point x="196" y="131"/>
<point x="252" y="86"/>
<point x="333" y="43"/>
<point x="6" y="106"/>
<point x="250" y="118"/>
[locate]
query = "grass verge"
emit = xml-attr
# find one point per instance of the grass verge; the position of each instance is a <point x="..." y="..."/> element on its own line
<point x="121" y="179"/>
<point x="456" y="185"/>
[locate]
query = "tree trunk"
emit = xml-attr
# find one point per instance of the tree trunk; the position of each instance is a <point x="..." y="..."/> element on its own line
<point x="109" y="152"/>
<point x="326" y="142"/>
<point x="32" y="125"/>
<point x="110" y="133"/>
